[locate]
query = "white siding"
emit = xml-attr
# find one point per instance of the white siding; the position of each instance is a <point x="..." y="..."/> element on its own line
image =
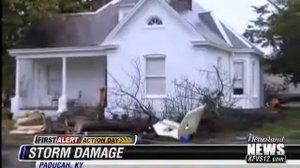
<point x="137" y="40"/>
<point x="173" y="40"/>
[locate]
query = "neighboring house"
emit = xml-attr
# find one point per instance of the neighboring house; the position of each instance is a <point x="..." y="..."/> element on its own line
<point x="70" y="58"/>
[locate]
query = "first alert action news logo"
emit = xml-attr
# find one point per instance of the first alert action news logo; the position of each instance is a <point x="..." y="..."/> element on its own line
<point x="265" y="150"/>
<point x="92" y="140"/>
<point x="76" y="148"/>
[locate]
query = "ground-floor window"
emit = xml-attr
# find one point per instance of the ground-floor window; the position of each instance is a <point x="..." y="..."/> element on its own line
<point x="155" y="75"/>
<point x="238" y="81"/>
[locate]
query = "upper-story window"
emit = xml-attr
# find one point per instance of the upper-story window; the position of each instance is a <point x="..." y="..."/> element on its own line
<point x="154" y="21"/>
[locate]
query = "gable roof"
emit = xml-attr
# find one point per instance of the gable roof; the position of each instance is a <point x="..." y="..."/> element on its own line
<point x="202" y="27"/>
<point x="92" y="28"/>
<point x="71" y="30"/>
<point x="209" y="21"/>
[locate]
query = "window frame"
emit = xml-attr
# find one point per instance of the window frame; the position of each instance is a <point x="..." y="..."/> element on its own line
<point x="255" y="78"/>
<point x="243" y="62"/>
<point x="155" y="56"/>
<point x="154" y="25"/>
<point x="219" y="63"/>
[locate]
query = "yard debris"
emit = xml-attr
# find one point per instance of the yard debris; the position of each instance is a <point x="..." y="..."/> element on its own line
<point x="132" y="126"/>
<point x="188" y="125"/>
<point x="82" y="119"/>
<point x="30" y="118"/>
<point x="32" y="123"/>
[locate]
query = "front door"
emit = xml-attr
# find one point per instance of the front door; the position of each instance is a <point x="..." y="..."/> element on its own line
<point x="54" y="81"/>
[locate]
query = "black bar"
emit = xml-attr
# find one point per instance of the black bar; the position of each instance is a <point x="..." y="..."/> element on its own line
<point x="205" y="152"/>
<point x="186" y="152"/>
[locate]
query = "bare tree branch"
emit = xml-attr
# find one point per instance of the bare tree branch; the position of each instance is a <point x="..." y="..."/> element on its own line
<point x="130" y="96"/>
<point x="189" y="94"/>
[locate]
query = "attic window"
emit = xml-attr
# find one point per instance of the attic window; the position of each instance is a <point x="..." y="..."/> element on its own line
<point x="154" y="20"/>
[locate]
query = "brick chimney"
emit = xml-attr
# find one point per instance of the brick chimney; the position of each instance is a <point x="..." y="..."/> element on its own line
<point x="188" y="4"/>
<point x="181" y="5"/>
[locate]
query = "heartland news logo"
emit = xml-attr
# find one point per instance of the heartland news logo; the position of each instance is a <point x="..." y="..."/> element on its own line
<point x="265" y="150"/>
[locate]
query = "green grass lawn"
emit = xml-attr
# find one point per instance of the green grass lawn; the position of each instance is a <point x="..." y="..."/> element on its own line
<point x="288" y="127"/>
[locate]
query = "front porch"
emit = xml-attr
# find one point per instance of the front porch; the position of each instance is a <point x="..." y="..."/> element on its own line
<point x="53" y="85"/>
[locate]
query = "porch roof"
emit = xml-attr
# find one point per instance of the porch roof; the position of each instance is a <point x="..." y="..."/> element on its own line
<point x="61" y="52"/>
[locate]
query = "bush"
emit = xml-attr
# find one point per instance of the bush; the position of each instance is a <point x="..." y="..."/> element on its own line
<point x="6" y="114"/>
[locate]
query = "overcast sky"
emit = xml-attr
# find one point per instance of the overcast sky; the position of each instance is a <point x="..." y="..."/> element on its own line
<point x="235" y="13"/>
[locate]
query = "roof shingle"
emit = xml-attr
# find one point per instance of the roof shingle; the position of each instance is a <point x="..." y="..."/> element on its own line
<point x="91" y="29"/>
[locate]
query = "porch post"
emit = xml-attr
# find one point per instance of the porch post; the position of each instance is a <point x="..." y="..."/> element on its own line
<point x="63" y="98"/>
<point x="64" y="80"/>
<point x="17" y="91"/>
<point x="16" y="100"/>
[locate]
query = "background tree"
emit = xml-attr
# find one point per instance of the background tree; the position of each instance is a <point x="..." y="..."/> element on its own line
<point x="278" y="27"/>
<point x="17" y="15"/>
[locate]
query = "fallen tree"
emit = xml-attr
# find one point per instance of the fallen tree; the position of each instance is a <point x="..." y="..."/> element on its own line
<point x="136" y="112"/>
<point x="32" y="123"/>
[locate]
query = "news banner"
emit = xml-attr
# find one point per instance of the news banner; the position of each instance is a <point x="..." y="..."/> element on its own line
<point x="75" y="151"/>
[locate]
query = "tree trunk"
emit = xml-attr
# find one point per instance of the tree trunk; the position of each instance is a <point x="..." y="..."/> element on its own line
<point x="102" y="104"/>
